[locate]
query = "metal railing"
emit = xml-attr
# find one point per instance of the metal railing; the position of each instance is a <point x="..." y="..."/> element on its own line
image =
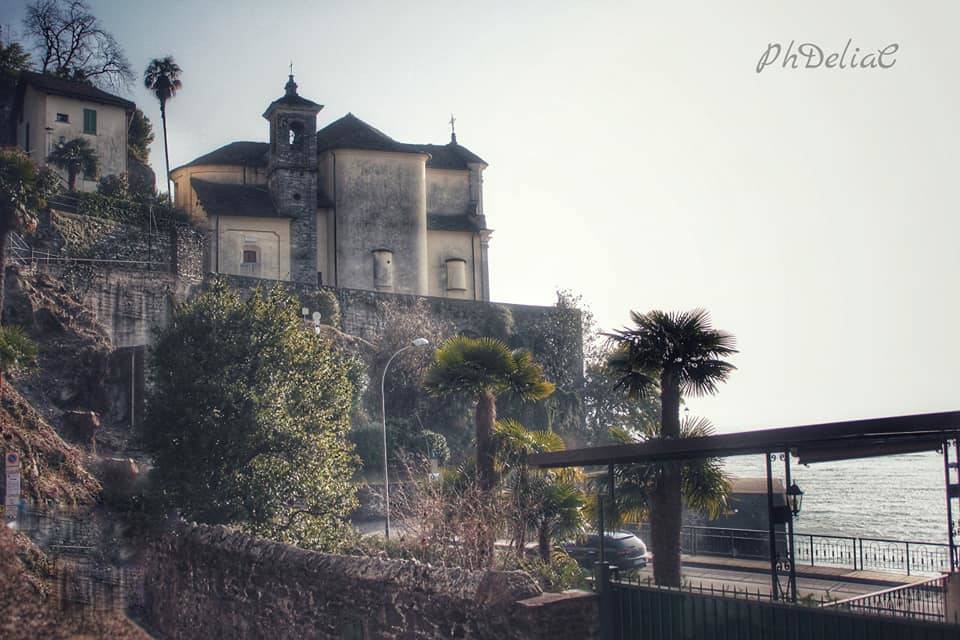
<point x="923" y="600"/>
<point x="911" y="557"/>
<point x="646" y="612"/>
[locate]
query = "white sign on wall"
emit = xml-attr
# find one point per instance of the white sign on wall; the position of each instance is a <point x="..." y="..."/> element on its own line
<point x="11" y="501"/>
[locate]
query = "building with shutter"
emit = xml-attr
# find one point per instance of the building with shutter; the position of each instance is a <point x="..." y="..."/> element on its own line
<point x="50" y="110"/>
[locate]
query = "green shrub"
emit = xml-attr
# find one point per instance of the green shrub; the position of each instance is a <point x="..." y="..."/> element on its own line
<point x="17" y="350"/>
<point x="247" y="418"/>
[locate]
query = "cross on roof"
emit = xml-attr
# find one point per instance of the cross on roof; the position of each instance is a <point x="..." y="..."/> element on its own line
<point x="453" y="122"/>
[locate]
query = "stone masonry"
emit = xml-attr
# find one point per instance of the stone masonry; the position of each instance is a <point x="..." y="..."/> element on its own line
<point x="293" y="175"/>
<point x="211" y="582"/>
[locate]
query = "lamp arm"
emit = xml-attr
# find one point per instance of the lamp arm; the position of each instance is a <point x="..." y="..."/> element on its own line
<point x="383" y="416"/>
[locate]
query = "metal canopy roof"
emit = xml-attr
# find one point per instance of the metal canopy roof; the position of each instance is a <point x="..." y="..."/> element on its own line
<point x="811" y="443"/>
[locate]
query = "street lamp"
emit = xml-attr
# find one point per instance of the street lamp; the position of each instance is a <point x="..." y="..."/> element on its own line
<point x="794" y="499"/>
<point x="316" y="318"/>
<point x="417" y="342"/>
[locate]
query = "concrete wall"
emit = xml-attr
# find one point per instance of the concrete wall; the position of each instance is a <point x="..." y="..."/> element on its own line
<point x="269" y="237"/>
<point x="444" y="246"/>
<point x="448" y="191"/>
<point x="109" y="142"/>
<point x="209" y="582"/>
<point x="381" y="200"/>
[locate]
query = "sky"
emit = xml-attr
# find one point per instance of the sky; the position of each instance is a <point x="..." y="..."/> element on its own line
<point x="638" y="158"/>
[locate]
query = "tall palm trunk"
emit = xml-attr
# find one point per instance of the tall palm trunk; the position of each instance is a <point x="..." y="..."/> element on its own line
<point x="667" y="512"/>
<point x="486" y="473"/>
<point x="523" y="485"/>
<point x="665" y="524"/>
<point x="486" y="417"/>
<point x="543" y="541"/>
<point x="669" y="405"/>
<point x="166" y="150"/>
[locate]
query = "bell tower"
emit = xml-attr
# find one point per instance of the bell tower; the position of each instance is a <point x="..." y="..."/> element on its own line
<point x="292" y="175"/>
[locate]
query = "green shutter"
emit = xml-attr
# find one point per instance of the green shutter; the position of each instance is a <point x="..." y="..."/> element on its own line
<point x="89" y="121"/>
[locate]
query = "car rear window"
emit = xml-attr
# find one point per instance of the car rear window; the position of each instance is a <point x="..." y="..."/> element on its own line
<point x="627" y="542"/>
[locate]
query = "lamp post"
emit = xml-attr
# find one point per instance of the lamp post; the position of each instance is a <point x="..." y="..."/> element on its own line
<point x="417" y="342"/>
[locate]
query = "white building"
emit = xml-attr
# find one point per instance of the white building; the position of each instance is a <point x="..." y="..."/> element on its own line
<point x="345" y="206"/>
<point x="51" y="110"/>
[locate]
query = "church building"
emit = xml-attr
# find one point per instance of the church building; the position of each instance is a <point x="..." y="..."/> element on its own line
<point x="346" y="206"/>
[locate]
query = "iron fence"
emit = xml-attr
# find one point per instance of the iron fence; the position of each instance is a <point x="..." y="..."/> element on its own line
<point x="639" y="612"/>
<point x="923" y="600"/>
<point x="911" y="557"/>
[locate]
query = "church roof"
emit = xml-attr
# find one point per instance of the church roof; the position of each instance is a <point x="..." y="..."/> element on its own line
<point x="291" y="98"/>
<point x="350" y="132"/>
<point x="221" y="199"/>
<point x="251" y="154"/>
<point x="73" y="89"/>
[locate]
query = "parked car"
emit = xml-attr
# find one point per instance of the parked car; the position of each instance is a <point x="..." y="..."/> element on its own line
<point x="621" y="548"/>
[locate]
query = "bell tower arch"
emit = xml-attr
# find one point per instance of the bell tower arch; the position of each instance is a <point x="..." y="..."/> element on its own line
<point x="292" y="175"/>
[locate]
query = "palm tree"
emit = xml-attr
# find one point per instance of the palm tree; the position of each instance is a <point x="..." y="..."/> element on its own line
<point x="22" y="191"/>
<point x="549" y="503"/>
<point x="559" y="511"/>
<point x="163" y="78"/>
<point x="484" y="368"/>
<point x="73" y="157"/>
<point x="675" y="353"/>
<point x="704" y="485"/>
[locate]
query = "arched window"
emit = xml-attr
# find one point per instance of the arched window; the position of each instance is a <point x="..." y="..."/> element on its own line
<point x="296" y="134"/>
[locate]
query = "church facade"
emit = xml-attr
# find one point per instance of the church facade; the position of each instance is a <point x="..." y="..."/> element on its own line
<point x="344" y="206"/>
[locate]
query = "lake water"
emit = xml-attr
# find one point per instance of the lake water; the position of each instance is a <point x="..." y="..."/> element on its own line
<point x="899" y="497"/>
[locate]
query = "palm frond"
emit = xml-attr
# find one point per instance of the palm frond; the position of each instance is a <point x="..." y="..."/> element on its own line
<point x="526" y="380"/>
<point x="17" y="350"/>
<point x="470" y="366"/>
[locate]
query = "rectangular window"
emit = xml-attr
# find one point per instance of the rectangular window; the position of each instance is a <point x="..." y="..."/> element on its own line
<point x="249" y="256"/>
<point x="63" y="117"/>
<point x="90" y="121"/>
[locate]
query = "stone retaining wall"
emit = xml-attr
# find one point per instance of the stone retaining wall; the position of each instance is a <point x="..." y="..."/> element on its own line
<point x="210" y="582"/>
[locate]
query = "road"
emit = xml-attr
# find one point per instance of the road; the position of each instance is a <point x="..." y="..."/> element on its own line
<point x="754" y="582"/>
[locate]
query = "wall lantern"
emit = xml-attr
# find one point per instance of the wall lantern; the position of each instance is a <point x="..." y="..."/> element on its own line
<point x="794" y="498"/>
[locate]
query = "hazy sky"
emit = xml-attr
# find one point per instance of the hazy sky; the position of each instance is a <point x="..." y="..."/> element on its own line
<point x="637" y="157"/>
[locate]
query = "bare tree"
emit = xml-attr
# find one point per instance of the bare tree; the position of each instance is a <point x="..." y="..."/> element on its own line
<point x="71" y="43"/>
